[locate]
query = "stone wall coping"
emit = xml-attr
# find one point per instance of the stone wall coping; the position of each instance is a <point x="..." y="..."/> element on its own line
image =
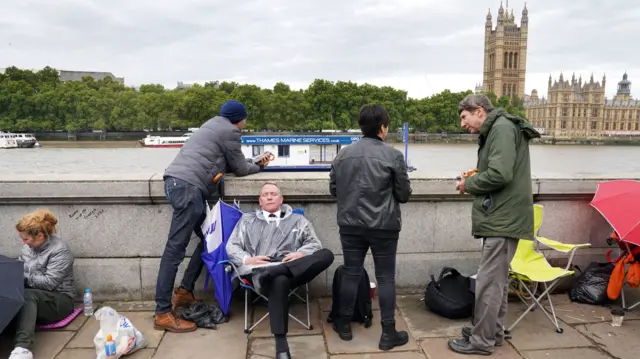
<point x="301" y="186"/>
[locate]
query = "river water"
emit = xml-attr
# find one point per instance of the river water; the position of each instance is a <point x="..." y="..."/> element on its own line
<point x="433" y="160"/>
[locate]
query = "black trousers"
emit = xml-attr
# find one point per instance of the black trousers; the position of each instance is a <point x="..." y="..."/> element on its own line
<point x="354" y="249"/>
<point x="302" y="271"/>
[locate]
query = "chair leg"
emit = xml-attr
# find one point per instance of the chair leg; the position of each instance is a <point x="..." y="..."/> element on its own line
<point x="305" y="300"/>
<point x="246" y="311"/>
<point x="536" y="302"/>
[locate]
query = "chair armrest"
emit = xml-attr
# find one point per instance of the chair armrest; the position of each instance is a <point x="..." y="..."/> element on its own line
<point x="561" y="247"/>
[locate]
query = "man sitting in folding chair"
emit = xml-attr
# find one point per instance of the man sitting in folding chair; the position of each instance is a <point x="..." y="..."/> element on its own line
<point x="279" y="251"/>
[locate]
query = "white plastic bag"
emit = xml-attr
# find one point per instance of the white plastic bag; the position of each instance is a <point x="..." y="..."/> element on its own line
<point x="127" y="337"/>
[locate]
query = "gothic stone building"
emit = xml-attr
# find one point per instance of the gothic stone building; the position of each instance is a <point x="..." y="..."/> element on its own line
<point x="577" y="109"/>
<point x="505" y="54"/>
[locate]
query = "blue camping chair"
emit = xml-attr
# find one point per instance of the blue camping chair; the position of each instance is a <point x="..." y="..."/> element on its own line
<point x="246" y="284"/>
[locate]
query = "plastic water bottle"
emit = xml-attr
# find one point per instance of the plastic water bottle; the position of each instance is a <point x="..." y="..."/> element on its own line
<point x="88" y="302"/>
<point x="110" y="347"/>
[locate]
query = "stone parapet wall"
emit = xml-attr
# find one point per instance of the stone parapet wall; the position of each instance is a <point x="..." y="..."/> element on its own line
<point x="117" y="225"/>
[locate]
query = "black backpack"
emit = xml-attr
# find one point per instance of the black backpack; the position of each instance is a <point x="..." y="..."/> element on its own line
<point x="362" y="312"/>
<point x="450" y="296"/>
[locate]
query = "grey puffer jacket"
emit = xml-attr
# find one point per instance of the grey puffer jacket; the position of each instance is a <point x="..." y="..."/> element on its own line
<point x="369" y="180"/>
<point x="212" y="149"/>
<point x="49" y="267"/>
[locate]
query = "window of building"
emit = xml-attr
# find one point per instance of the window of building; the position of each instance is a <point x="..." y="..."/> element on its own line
<point x="594" y="125"/>
<point x="563" y="124"/>
<point x="565" y="112"/>
<point x="283" y="150"/>
<point x="257" y="150"/>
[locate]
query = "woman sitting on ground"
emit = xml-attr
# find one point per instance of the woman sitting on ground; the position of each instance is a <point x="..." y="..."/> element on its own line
<point x="48" y="278"/>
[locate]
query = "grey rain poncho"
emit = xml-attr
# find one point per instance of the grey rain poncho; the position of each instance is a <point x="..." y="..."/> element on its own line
<point x="254" y="235"/>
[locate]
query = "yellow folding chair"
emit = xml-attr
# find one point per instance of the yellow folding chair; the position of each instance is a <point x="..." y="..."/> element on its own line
<point x="528" y="265"/>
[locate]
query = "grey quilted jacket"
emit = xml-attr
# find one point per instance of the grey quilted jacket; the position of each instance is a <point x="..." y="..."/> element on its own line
<point x="49" y="267"/>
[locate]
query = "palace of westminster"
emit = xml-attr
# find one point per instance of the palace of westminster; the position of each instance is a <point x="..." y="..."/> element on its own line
<point x="571" y="107"/>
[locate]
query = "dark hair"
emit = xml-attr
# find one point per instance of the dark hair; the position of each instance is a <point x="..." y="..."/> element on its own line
<point x="474" y="101"/>
<point x="372" y="118"/>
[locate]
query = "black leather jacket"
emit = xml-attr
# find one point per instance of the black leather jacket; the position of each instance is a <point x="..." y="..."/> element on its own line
<point x="369" y="180"/>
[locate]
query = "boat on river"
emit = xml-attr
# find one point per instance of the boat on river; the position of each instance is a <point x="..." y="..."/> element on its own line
<point x="294" y="153"/>
<point x="18" y="140"/>
<point x="166" y="141"/>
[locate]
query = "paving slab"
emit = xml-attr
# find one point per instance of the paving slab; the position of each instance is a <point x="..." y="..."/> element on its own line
<point x="141" y="320"/>
<point x="91" y="354"/>
<point x="46" y="345"/>
<point x="582" y="353"/>
<point x="423" y="323"/>
<point x="365" y="340"/>
<point x="578" y="313"/>
<point x="326" y="303"/>
<point x="227" y="341"/>
<point x="132" y="306"/>
<point x="310" y="346"/>
<point x="536" y="332"/>
<point x="398" y="355"/>
<point x="437" y="348"/>
<point x="621" y="342"/>
<point x="410" y="300"/>
<point x="297" y="309"/>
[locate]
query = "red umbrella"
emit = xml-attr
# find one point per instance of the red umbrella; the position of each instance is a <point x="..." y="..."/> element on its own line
<point x="619" y="203"/>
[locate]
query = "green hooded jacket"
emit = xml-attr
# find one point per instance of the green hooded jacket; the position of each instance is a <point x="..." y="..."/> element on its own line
<point x="502" y="190"/>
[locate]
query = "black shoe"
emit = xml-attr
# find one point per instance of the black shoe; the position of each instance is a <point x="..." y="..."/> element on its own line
<point x="391" y="338"/>
<point x="463" y="346"/>
<point x="342" y="326"/>
<point x="466" y="334"/>
<point x="283" y="355"/>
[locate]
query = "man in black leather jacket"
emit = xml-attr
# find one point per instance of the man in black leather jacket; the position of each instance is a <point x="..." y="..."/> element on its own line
<point x="370" y="180"/>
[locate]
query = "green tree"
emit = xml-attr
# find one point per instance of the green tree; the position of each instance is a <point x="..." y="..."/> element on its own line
<point x="38" y="101"/>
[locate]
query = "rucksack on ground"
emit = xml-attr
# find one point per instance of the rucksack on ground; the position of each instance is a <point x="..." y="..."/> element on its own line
<point x="362" y="312"/>
<point x="450" y="296"/>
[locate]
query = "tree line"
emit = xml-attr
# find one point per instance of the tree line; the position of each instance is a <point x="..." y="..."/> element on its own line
<point x="38" y="101"/>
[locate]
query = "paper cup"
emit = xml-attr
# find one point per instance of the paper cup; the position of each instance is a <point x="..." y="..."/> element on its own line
<point x="373" y="289"/>
<point x="617" y="317"/>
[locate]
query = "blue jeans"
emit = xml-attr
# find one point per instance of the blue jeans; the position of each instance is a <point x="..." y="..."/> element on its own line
<point x="188" y="203"/>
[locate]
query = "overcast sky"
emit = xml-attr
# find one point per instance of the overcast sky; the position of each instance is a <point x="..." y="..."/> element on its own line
<point x="422" y="46"/>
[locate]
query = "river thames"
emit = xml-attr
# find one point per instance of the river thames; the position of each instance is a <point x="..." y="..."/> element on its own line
<point x="431" y="160"/>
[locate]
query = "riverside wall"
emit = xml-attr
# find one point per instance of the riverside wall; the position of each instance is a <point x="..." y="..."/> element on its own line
<point x="117" y="225"/>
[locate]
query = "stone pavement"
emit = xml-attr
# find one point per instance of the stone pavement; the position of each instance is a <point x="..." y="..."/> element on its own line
<point x="587" y="335"/>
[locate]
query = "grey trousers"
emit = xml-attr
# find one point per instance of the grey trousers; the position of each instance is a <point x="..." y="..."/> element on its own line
<point x="492" y="291"/>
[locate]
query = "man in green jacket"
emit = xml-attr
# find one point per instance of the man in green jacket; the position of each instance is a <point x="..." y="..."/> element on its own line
<point x="502" y="213"/>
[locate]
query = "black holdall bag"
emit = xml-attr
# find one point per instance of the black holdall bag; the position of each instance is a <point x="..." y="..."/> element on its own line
<point x="362" y="311"/>
<point x="450" y="296"/>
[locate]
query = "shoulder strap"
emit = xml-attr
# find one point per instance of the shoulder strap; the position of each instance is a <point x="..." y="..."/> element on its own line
<point x="448" y="270"/>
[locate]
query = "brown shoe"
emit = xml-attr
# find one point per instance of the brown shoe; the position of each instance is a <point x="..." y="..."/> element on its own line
<point x="182" y="297"/>
<point x="169" y="322"/>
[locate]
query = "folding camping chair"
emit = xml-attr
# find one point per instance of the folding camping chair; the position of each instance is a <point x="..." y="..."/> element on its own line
<point x="530" y="265"/>
<point x="248" y="287"/>
<point x="246" y="284"/>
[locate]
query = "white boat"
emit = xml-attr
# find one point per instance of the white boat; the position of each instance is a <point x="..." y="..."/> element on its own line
<point x="166" y="142"/>
<point x="8" y="140"/>
<point x="26" y="140"/>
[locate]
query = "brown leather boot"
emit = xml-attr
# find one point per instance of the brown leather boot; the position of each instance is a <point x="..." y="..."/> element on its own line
<point x="182" y="297"/>
<point x="169" y="322"/>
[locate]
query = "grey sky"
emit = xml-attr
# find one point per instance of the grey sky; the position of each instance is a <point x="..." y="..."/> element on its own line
<point x="422" y="46"/>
